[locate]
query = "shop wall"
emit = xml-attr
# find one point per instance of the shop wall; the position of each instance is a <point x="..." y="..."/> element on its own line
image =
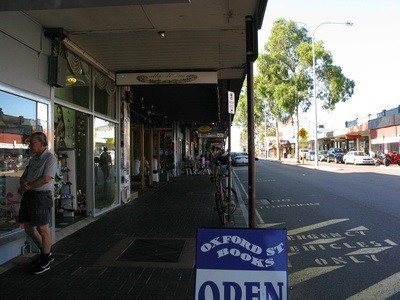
<point x="386" y="132"/>
<point x="23" y="54"/>
<point x="382" y="122"/>
<point x="23" y="70"/>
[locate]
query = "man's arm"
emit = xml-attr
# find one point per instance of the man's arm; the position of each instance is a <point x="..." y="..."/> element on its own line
<point x="38" y="182"/>
<point x="50" y="168"/>
<point x="23" y="183"/>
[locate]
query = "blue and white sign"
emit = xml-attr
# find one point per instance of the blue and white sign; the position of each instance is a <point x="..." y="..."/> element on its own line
<point x="241" y="264"/>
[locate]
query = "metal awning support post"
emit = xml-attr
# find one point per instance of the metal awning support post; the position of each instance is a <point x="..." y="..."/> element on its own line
<point x="250" y="55"/>
<point x="229" y="167"/>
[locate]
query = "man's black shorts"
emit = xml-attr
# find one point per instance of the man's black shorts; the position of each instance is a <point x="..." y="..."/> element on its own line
<point x="36" y="208"/>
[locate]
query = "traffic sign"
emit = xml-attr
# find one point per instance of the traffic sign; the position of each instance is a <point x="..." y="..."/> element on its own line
<point x="303" y="133"/>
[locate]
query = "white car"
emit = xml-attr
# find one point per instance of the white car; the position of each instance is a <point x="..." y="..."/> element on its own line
<point x="240" y="158"/>
<point x="303" y="153"/>
<point x="310" y="155"/>
<point x="357" y="158"/>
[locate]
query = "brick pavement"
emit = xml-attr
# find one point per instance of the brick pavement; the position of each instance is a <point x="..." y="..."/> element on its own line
<point x="88" y="263"/>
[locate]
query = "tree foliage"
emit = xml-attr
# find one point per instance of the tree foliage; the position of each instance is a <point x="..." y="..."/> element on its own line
<point x="285" y="74"/>
<point x="262" y="123"/>
<point x="284" y="84"/>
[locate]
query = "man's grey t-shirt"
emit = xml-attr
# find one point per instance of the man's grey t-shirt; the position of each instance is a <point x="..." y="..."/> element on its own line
<point x="44" y="165"/>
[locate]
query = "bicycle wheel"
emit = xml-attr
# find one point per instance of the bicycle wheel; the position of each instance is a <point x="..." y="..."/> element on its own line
<point x="220" y="207"/>
<point x="234" y="201"/>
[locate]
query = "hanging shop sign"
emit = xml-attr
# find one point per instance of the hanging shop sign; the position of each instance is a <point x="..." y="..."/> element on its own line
<point x="211" y="135"/>
<point x="163" y="127"/>
<point x="204" y="128"/>
<point x="166" y="78"/>
<point x="241" y="264"/>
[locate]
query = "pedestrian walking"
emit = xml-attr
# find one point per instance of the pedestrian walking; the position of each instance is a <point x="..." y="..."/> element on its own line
<point x="36" y="186"/>
<point x="105" y="161"/>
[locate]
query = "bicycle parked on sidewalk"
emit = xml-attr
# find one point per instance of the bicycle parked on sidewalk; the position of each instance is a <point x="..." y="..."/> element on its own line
<point x="222" y="197"/>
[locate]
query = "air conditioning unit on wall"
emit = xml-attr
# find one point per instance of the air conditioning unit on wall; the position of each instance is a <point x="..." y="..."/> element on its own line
<point x="57" y="71"/>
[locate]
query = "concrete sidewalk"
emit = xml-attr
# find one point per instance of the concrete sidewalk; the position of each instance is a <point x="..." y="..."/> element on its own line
<point x="142" y="250"/>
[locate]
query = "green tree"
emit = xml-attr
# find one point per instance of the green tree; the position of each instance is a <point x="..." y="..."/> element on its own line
<point x="271" y="106"/>
<point x="285" y="75"/>
<point x="260" y="122"/>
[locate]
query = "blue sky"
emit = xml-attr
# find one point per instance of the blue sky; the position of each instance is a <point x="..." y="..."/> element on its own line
<point x="368" y="52"/>
<point x="15" y="106"/>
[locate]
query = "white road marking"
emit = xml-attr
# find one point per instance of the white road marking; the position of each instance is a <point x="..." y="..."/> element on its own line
<point x="269" y="225"/>
<point x="309" y="273"/>
<point x="391" y="243"/>
<point x="236" y="185"/>
<point x="360" y="228"/>
<point x="365" y="251"/>
<point x="260" y="219"/>
<point x="324" y="241"/>
<point x="315" y="226"/>
<point x="381" y="290"/>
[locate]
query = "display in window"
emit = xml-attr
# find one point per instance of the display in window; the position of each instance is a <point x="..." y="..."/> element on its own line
<point x="60" y="129"/>
<point x="167" y="152"/>
<point x="64" y="128"/>
<point x="9" y="203"/>
<point x="65" y="185"/>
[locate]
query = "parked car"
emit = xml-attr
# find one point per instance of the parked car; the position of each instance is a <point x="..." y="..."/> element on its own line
<point x="240" y="158"/>
<point x="358" y="158"/>
<point x="322" y="155"/>
<point x="302" y="153"/>
<point x="336" y="155"/>
<point x="310" y="155"/>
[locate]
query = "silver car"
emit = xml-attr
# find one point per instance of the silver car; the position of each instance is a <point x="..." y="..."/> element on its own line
<point x="358" y="158"/>
<point x="322" y="155"/>
<point x="240" y="158"/>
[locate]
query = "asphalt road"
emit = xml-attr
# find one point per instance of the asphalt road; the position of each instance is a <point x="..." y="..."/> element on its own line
<point x="342" y="224"/>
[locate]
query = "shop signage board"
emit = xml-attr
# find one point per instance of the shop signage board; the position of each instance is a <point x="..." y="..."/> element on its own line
<point x="234" y="263"/>
<point x="231" y="102"/>
<point x="152" y="78"/>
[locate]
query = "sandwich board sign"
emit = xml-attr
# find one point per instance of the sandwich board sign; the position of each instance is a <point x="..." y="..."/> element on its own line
<point x="234" y="263"/>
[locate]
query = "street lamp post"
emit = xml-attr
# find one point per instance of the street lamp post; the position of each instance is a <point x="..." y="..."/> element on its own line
<point x="265" y="130"/>
<point x="316" y="148"/>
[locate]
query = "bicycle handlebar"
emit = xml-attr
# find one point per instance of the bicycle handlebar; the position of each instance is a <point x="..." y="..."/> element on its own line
<point x="216" y="176"/>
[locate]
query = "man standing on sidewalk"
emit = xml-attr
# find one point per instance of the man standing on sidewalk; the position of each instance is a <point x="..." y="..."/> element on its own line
<point x="37" y="199"/>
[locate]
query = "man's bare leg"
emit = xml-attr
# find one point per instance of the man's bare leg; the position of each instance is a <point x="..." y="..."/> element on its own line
<point x="34" y="234"/>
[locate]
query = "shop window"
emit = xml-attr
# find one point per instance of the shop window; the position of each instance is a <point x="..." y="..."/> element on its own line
<point x="136" y="153"/>
<point x="19" y="118"/>
<point x="148" y="156"/>
<point x="104" y="95"/>
<point x="167" y="152"/>
<point x="77" y="86"/>
<point x="105" y="168"/>
<point x="70" y="140"/>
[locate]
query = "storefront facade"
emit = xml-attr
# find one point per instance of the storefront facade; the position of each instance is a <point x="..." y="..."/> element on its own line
<point x="82" y="120"/>
<point x="55" y="58"/>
